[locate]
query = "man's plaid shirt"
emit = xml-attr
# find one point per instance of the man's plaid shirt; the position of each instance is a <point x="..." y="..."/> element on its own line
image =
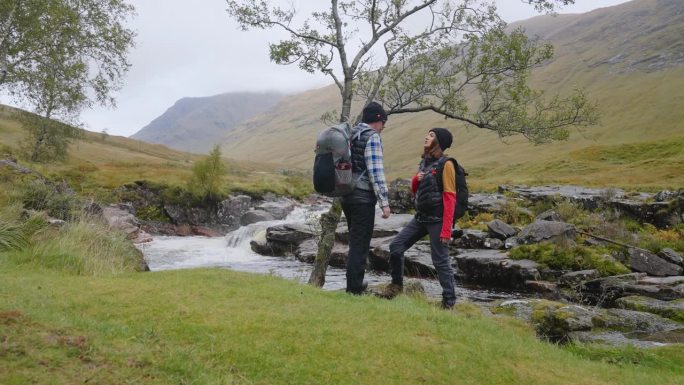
<point x="376" y="170"/>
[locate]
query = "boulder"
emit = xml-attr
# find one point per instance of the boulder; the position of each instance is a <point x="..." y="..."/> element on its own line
<point x="671" y="256"/>
<point x="471" y="239"/>
<point x="646" y="262"/>
<point x="278" y="209"/>
<point x="254" y="216"/>
<point x="575" y="278"/>
<point x="232" y="209"/>
<point x="555" y="321"/>
<point x="383" y="227"/>
<point x="492" y="267"/>
<point x="493" y="243"/>
<point x="125" y="222"/>
<point x="500" y="230"/>
<point x="605" y="291"/>
<point x="669" y="309"/>
<point x="417" y="259"/>
<point x="550" y="215"/>
<point x="486" y="203"/>
<point x="539" y="231"/>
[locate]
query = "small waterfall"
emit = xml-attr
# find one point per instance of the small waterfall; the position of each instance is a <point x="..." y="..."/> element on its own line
<point x="239" y="239"/>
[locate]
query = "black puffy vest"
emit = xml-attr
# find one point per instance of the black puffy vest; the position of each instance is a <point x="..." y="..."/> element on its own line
<point x="429" y="202"/>
<point x="358" y="149"/>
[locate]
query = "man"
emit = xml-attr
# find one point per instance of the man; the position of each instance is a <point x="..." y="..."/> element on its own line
<point x="359" y="205"/>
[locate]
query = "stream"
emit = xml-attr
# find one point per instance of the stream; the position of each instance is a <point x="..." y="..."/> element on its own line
<point x="233" y="252"/>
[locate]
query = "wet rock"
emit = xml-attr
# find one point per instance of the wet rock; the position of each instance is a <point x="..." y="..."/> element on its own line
<point x="417" y="259"/>
<point x="634" y="321"/>
<point x="555" y="321"/>
<point x="125" y="222"/>
<point x="254" y="216"/>
<point x="278" y="209"/>
<point x="290" y="233"/>
<point x="575" y="278"/>
<point x="668" y="309"/>
<point x="550" y="215"/>
<point x="662" y="281"/>
<point x="495" y="268"/>
<point x="486" y="203"/>
<point x="646" y="262"/>
<point x="383" y="227"/>
<point x="493" y="243"/>
<point x="471" y="239"/>
<point x="231" y="210"/>
<point x="671" y="256"/>
<point x="539" y="231"/>
<point x="548" y="289"/>
<point x="456" y="232"/>
<point x="607" y="290"/>
<point x="500" y="230"/>
<point x="511" y="242"/>
<point x="307" y="251"/>
<point x="589" y="198"/>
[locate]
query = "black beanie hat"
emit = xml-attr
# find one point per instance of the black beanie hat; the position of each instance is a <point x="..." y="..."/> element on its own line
<point x="444" y="137"/>
<point x="374" y="112"/>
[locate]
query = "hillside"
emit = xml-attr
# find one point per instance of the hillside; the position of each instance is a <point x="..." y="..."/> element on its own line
<point x="97" y="164"/>
<point x="630" y="60"/>
<point x="197" y="124"/>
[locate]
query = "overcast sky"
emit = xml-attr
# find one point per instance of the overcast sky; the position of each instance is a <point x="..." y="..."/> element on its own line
<point x="191" y="49"/>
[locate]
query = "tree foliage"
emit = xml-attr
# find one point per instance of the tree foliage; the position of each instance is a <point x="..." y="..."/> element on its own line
<point x="455" y="58"/>
<point x="207" y="175"/>
<point x="61" y="56"/>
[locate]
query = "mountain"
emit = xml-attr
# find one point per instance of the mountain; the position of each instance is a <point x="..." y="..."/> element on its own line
<point x="629" y="58"/>
<point x="196" y="124"/>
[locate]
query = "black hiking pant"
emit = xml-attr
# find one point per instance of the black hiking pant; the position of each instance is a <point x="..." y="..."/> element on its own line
<point x="360" y="221"/>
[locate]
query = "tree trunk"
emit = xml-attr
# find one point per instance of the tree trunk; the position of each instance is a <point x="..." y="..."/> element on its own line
<point x="329" y="222"/>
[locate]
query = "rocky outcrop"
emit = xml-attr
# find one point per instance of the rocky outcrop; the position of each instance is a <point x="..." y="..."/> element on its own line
<point x="539" y="231"/>
<point x="122" y="220"/>
<point x="646" y="262"/>
<point x="494" y="268"/>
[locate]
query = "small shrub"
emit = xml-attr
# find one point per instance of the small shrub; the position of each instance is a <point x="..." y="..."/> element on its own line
<point x="571" y="212"/>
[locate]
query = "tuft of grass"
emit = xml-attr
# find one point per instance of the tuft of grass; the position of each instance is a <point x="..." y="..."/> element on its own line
<point x="11" y="237"/>
<point x="83" y="247"/>
<point x="569" y="258"/>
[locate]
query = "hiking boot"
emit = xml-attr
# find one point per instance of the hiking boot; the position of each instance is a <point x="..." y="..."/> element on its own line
<point x="390" y="291"/>
<point x="364" y="287"/>
<point x="447" y="305"/>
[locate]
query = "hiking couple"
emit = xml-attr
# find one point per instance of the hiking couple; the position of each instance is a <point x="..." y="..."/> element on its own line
<point x="435" y="197"/>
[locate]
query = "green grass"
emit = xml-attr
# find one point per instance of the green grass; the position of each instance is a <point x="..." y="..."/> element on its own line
<point x="218" y="327"/>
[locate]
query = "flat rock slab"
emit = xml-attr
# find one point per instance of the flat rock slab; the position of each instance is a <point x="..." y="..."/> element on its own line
<point x="383" y="227"/>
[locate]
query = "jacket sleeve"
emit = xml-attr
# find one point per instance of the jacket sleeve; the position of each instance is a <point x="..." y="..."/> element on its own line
<point x="448" y="198"/>
<point x="414" y="184"/>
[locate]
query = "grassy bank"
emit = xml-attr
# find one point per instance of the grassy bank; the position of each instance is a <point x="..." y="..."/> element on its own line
<point x="219" y="327"/>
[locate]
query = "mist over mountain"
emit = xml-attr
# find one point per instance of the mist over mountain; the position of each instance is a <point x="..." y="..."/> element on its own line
<point x="197" y="124"/>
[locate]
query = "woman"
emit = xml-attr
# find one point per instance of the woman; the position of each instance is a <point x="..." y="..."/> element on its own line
<point x="434" y="187"/>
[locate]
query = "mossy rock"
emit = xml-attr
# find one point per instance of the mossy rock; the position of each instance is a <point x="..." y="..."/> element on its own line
<point x="669" y="309"/>
<point x="555" y="321"/>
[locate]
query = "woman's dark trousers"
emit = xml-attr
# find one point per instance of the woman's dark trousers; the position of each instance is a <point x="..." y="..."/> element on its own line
<point x="360" y="221"/>
<point x="411" y="234"/>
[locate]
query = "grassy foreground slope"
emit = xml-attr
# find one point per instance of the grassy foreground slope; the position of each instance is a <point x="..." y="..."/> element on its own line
<point x="629" y="58"/>
<point x="220" y="327"/>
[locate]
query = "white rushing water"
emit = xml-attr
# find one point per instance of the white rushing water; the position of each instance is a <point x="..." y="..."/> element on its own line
<point x="234" y="252"/>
